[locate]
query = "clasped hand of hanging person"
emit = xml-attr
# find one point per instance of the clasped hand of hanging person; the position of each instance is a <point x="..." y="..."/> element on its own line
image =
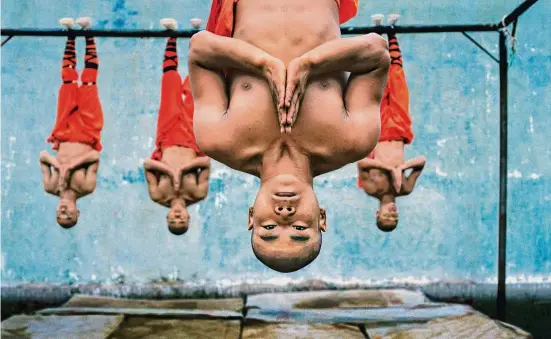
<point x="288" y="85"/>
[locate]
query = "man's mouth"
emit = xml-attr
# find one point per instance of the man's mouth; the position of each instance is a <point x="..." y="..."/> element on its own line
<point x="285" y="194"/>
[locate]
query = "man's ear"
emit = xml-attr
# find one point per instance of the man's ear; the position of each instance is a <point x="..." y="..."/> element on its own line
<point x="250" y="223"/>
<point x="323" y="220"/>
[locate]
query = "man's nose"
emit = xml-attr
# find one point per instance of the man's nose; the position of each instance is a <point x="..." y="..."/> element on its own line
<point x="285" y="211"/>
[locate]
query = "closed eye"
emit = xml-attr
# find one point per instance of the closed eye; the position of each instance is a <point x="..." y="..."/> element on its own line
<point x="300" y="238"/>
<point x="269" y="237"/>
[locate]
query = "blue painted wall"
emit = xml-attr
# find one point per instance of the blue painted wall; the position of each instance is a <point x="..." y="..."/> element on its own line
<point x="448" y="227"/>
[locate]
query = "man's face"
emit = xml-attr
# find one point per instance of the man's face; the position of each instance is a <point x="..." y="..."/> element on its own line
<point x="387" y="216"/>
<point x="286" y="217"/>
<point x="67" y="213"/>
<point x="178" y="219"/>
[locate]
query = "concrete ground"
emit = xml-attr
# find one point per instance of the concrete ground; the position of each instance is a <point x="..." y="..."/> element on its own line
<point x="396" y="313"/>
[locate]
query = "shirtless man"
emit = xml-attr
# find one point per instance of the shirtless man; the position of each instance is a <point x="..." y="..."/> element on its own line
<point x="178" y="172"/>
<point x="76" y="135"/>
<point x="382" y="174"/>
<point x="285" y="69"/>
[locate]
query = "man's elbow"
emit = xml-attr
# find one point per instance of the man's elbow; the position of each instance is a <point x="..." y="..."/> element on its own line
<point x="199" y="46"/>
<point x="208" y="147"/>
<point x="94" y="157"/>
<point x="202" y="195"/>
<point x="376" y="49"/>
<point x="90" y="188"/>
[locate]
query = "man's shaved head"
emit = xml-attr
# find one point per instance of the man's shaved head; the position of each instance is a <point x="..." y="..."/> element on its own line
<point x="286" y="223"/>
<point x="67" y="213"/>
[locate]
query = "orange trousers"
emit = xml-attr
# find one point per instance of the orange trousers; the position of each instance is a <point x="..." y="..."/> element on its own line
<point x="175" y="119"/>
<point x="395" y="117"/>
<point x="79" y="114"/>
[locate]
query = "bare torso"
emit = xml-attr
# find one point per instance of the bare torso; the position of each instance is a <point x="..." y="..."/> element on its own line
<point x="177" y="157"/>
<point x="390" y="153"/>
<point x="287" y="29"/>
<point x="66" y="154"/>
<point x="386" y="173"/>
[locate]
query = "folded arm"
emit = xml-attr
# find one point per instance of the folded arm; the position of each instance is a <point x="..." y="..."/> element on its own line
<point x="209" y="56"/>
<point x="155" y="193"/>
<point x="365" y="57"/>
<point x="50" y="172"/>
<point x="195" y="164"/>
<point x="395" y="172"/>
<point x="194" y="185"/>
<point x="416" y="164"/>
<point x="366" y="164"/>
<point x="202" y="187"/>
<point x="151" y="165"/>
<point x="90" y="179"/>
<point x="84" y="160"/>
<point x="368" y="185"/>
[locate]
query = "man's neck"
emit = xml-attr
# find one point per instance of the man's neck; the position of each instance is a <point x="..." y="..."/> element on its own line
<point x="387" y="198"/>
<point x="286" y="160"/>
<point x="68" y="194"/>
<point x="177" y="202"/>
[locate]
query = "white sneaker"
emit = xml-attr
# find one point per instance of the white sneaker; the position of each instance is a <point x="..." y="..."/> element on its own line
<point x="393" y="19"/>
<point x="85" y="22"/>
<point x="169" y="23"/>
<point x="377" y="19"/>
<point x="195" y="23"/>
<point x="67" y="23"/>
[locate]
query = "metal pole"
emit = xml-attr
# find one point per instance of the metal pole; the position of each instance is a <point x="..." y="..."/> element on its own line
<point x="502" y="241"/>
<point x="517" y="12"/>
<point x="188" y="33"/>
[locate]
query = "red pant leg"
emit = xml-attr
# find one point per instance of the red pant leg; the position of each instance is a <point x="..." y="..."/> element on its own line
<point x="395" y="118"/>
<point x="89" y="118"/>
<point x="67" y="105"/>
<point x="175" y="119"/>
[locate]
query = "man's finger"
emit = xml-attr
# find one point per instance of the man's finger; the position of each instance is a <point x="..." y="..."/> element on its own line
<point x="291" y="88"/>
<point x="297" y="107"/>
<point x="281" y="96"/>
<point x="292" y="112"/>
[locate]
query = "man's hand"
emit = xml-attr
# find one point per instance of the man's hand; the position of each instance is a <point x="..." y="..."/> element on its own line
<point x="64" y="177"/>
<point x="298" y="72"/>
<point x="201" y="163"/>
<point x="397" y="178"/>
<point x="159" y="166"/>
<point x="274" y="71"/>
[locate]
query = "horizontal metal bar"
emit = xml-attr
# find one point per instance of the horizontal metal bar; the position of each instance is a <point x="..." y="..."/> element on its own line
<point x="517" y="12"/>
<point x="191" y="32"/>
<point x="420" y="29"/>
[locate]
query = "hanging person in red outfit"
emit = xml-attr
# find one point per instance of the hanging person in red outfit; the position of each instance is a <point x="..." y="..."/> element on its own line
<point x="382" y="174"/>
<point x="76" y="135"/>
<point x="178" y="172"/>
<point x="281" y="96"/>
